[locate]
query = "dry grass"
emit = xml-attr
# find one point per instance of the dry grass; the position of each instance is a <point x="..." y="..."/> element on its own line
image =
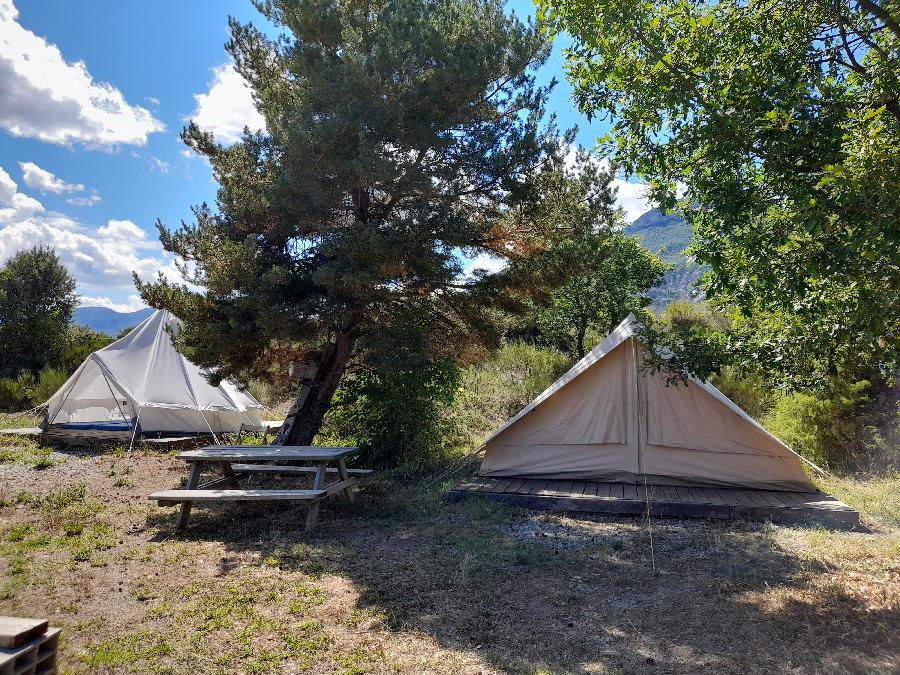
<point x="406" y="583"/>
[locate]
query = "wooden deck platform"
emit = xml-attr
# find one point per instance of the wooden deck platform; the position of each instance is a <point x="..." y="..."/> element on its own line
<point x="88" y="438"/>
<point x="816" y="508"/>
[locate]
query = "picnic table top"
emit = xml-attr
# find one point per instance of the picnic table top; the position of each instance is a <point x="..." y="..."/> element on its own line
<point x="265" y="453"/>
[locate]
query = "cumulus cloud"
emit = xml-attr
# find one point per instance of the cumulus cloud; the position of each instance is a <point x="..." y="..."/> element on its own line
<point x="227" y="107"/>
<point x="41" y="179"/>
<point x="51" y="99"/>
<point x="100" y="258"/>
<point x="632" y="197"/>
<point x="131" y="304"/>
<point x="88" y="200"/>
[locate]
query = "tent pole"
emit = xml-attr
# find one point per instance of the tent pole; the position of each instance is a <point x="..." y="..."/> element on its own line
<point x="109" y="386"/>
<point x="137" y="421"/>
<point x="203" y="415"/>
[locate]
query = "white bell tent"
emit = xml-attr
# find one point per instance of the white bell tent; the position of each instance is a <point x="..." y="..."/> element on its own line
<point x="142" y="380"/>
<point x="611" y="419"/>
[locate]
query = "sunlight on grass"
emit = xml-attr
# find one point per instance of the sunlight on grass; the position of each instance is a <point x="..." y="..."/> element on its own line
<point x="876" y="497"/>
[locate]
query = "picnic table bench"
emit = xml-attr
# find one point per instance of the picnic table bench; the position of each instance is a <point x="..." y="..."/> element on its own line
<point x="237" y="461"/>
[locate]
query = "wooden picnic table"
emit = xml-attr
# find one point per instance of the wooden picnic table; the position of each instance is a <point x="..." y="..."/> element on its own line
<point x="236" y="461"/>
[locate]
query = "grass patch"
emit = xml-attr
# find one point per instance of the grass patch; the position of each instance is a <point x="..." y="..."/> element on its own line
<point x="134" y="652"/>
<point x="16" y="450"/>
<point x="877" y="497"/>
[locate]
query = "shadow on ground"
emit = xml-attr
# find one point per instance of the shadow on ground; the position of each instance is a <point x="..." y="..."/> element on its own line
<point x="520" y="592"/>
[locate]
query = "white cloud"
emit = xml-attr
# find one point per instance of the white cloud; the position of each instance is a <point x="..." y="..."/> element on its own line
<point x="632" y="197"/>
<point x="152" y="100"/>
<point x="122" y="230"/>
<point x="484" y="262"/>
<point x="89" y="200"/>
<point x="158" y="165"/>
<point x="227" y="107"/>
<point x="8" y="188"/>
<point x="132" y="303"/>
<point x="14" y="204"/>
<point x="56" y="101"/>
<point x="101" y="259"/>
<point x="41" y="179"/>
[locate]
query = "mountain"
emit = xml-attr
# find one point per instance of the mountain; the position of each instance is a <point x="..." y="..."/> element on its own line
<point x="109" y="321"/>
<point x="670" y="235"/>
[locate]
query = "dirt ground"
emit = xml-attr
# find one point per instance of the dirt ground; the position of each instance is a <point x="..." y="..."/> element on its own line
<point x="403" y="582"/>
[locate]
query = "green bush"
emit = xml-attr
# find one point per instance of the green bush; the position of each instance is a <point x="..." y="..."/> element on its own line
<point x="394" y="417"/>
<point x="847" y="426"/>
<point x="496" y="389"/>
<point x="750" y="391"/>
<point x="49" y="381"/>
<point x="15" y="394"/>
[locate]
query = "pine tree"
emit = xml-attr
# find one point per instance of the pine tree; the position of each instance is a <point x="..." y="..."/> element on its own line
<point x="398" y="133"/>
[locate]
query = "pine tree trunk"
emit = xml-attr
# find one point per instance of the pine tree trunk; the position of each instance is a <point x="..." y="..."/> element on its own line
<point x="306" y="414"/>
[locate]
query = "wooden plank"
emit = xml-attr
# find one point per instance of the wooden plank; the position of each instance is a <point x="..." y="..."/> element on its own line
<point x="264" y="453"/>
<point x="684" y="494"/>
<point x="535" y="486"/>
<point x="551" y="488"/>
<point x="345" y="478"/>
<point x="177" y="496"/>
<point x="800" y="498"/>
<point x="629" y="491"/>
<point x="603" y="490"/>
<point x="697" y="496"/>
<point x="502" y="485"/>
<point x="331" y="488"/>
<point x="670" y="494"/>
<point x="285" y="469"/>
<point x="515" y="485"/>
<point x="811" y="508"/>
<point x="192" y="482"/>
<point x="617" y="491"/>
<point x="490" y="484"/>
<point x="709" y="495"/>
<point x="727" y="495"/>
<point x="16" y="631"/>
<point x="578" y="488"/>
<point x="565" y="488"/>
<point x="590" y="489"/>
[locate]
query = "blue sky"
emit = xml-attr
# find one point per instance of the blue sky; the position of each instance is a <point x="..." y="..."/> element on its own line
<point x="93" y="96"/>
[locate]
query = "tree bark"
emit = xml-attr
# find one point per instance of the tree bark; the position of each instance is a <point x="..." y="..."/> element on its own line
<point x="314" y="398"/>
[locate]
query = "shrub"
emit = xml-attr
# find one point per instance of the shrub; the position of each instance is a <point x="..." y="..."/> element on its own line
<point x="15" y="394"/>
<point x="496" y="389"/>
<point x="750" y="391"/>
<point x="849" y="425"/>
<point x="394" y="417"/>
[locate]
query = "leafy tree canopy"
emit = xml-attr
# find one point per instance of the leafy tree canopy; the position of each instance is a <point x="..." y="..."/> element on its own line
<point x="37" y="300"/>
<point x="781" y="123"/>
<point x="604" y="272"/>
<point x="399" y="133"/>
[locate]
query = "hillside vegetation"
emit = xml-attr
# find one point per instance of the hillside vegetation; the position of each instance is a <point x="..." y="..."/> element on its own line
<point x="669" y="235"/>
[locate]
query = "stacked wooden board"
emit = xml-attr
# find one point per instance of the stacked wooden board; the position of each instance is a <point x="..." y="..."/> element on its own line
<point x="27" y="646"/>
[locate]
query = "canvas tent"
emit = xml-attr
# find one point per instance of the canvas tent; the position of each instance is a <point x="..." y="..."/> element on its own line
<point x="609" y="419"/>
<point x="143" y="380"/>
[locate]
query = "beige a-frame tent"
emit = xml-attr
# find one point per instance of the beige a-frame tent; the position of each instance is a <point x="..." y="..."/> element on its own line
<point x="610" y="419"/>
